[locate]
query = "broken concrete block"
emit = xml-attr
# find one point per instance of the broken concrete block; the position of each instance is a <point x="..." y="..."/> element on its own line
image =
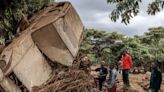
<point x="27" y="62"/>
<point x="59" y="34"/>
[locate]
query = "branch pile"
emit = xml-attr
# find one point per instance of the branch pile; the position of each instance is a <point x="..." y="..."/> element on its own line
<point x="68" y="81"/>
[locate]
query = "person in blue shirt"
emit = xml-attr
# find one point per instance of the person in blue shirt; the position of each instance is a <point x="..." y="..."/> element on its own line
<point x="112" y="82"/>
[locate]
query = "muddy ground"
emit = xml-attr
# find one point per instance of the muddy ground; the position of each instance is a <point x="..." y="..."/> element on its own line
<point x="138" y="82"/>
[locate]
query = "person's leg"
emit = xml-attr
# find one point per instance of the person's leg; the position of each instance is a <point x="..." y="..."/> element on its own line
<point x="120" y="71"/>
<point x="100" y="84"/>
<point x="109" y="90"/>
<point x="114" y="88"/>
<point x="126" y="74"/>
<point x="123" y="76"/>
<point x="156" y="90"/>
<point x="152" y="90"/>
<point x="96" y="82"/>
<point x="128" y="83"/>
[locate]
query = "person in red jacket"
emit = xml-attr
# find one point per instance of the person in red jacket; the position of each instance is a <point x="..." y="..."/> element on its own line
<point x="126" y="66"/>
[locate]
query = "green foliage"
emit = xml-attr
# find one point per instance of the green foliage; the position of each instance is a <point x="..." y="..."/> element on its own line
<point x="127" y="9"/>
<point x="11" y="14"/>
<point x="97" y="45"/>
<point x="100" y="45"/>
<point x="34" y="5"/>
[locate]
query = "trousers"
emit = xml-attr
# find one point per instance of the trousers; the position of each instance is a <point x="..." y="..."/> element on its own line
<point x="125" y="76"/>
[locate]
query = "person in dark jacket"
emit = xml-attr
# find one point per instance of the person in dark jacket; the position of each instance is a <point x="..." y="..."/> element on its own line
<point x="156" y="78"/>
<point x="103" y="73"/>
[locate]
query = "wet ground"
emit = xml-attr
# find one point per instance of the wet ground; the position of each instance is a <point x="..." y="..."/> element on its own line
<point x="138" y="82"/>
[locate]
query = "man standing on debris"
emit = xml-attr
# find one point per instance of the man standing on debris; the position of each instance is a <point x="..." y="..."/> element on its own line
<point x="103" y="73"/>
<point x="126" y="66"/>
<point x="156" y="78"/>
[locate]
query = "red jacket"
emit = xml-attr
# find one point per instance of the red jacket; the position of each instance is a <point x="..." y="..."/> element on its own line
<point x="127" y="62"/>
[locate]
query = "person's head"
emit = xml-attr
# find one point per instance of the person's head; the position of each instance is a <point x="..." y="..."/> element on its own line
<point x="111" y="66"/>
<point x="85" y="58"/>
<point x="102" y="63"/>
<point x="120" y="57"/>
<point x="125" y="52"/>
<point x="154" y="65"/>
<point x="116" y="66"/>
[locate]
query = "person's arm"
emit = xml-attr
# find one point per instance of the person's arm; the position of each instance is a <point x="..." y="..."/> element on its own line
<point x="97" y="69"/>
<point x="150" y="82"/>
<point x="130" y="62"/>
<point x="105" y="72"/>
<point x="159" y="79"/>
<point x="108" y="76"/>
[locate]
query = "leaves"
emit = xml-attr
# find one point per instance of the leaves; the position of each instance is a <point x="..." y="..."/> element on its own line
<point x="11" y="15"/>
<point x="100" y="45"/>
<point x="127" y="9"/>
<point x="153" y="8"/>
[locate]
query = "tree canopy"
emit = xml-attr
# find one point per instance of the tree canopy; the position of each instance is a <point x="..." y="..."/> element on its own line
<point x="101" y="45"/>
<point x="11" y="13"/>
<point x="127" y="9"/>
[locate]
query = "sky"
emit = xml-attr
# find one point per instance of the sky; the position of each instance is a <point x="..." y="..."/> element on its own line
<point x="95" y="15"/>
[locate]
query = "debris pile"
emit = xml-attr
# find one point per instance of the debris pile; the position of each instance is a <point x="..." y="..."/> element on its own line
<point x="68" y="81"/>
<point x="40" y="58"/>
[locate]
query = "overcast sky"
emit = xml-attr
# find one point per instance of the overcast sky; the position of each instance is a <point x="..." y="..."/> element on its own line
<point x="95" y="14"/>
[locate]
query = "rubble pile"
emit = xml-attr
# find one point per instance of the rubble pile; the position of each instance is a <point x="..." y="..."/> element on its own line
<point x="68" y="81"/>
<point x="41" y="56"/>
